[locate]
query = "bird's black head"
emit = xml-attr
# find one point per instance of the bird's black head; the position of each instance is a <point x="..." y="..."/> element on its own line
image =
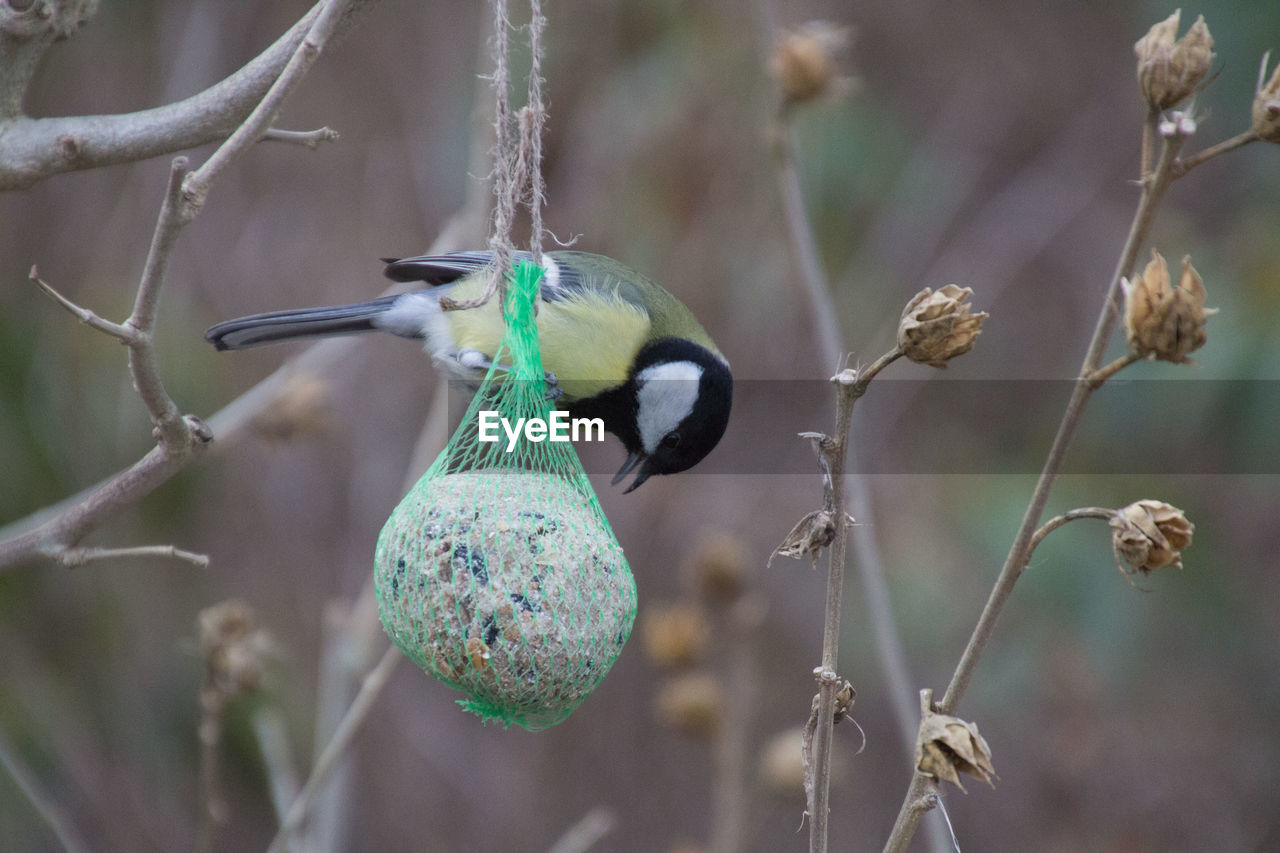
<point x="678" y="395"/>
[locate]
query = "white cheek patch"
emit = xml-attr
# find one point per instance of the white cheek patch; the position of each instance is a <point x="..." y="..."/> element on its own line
<point x="666" y="396"/>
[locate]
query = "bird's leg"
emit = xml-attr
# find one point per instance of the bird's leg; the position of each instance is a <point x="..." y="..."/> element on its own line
<point x="474" y="360"/>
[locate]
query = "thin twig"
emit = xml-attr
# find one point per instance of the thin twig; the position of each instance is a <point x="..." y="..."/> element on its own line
<point x="1102" y="374"/>
<point x="732" y="749"/>
<point x="312" y="139"/>
<point x="173" y="430"/>
<point x="49" y="811"/>
<point x="124" y="334"/>
<point x="180" y="437"/>
<point x="196" y="187"/>
<point x="1153" y="189"/>
<point x="37" y="148"/>
<point x="352" y="639"/>
<point x="850" y="385"/>
<point x="817" y="286"/>
<point x="1200" y="157"/>
<point x="213" y="808"/>
<point x="584" y="834"/>
<point x="1152" y="193"/>
<point x="273" y="742"/>
<point x="822" y="307"/>
<point x="1148" y="140"/>
<point x="342" y="736"/>
<point x="1057" y="521"/>
<point x="75" y="557"/>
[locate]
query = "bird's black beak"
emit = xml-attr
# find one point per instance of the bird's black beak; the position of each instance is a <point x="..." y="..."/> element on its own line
<point x="633" y="460"/>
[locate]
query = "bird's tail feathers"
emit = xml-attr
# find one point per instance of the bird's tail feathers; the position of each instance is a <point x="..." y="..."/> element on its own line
<point x="266" y="328"/>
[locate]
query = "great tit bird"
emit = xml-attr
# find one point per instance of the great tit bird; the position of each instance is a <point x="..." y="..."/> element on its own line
<point x="620" y="348"/>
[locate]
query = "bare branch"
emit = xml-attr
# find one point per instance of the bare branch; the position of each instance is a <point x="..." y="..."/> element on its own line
<point x="180" y="437"/>
<point x="369" y="691"/>
<point x="1200" y="157"/>
<point x="25" y="34"/>
<point x="49" y="811"/>
<point x="817" y="287"/>
<point x="173" y="430"/>
<point x="124" y="334"/>
<point x="32" y="149"/>
<point x="1154" y="185"/>
<point x="70" y="523"/>
<point x="196" y="186"/>
<point x="312" y="139"/>
<point x="1153" y="191"/>
<point x="273" y="741"/>
<point x="590" y="829"/>
<point x="1102" y="374"/>
<point x="76" y="557"/>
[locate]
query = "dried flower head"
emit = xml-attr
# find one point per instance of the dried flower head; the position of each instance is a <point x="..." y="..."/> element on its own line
<point x="1169" y="70"/>
<point x="301" y="410"/>
<point x="718" y="565"/>
<point x="1266" y="104"/>
<point x="691" y="703"/>
<point x="1148" y="535"/>
<point x="805" y="61"/>
<point x="811" y="534"/>
<point x="674" y="634"/>
<point x="1162" y="321"/>
<point x="947" y="746"/>
<point x="235" y="649"/>
<point x="782" y="762"/>
<point x="937" y="326"/>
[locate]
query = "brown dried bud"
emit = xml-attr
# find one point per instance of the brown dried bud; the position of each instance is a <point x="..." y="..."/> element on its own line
<point x="1161" y="321"/>
<point x="1169" y="71"/>
<point x="937" y="326"/>
<point x="782" y="762"/>
<point x="235" y="650"/>
<point x="691" y="703"/>
<point x="1266" y="105"/>
<point x="301" y="410"/>
<point x="804" y="61"/>
<point x="719" y="565"/>
<point x="1148" y="535"/>
<point x="948" y="745"/>
<point x="674" y="634"/>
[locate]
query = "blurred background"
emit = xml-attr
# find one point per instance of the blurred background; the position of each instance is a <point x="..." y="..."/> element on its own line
<point x="991" y="144"/>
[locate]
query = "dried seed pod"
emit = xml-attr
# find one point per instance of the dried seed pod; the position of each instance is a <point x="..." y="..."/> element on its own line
<point x="947" y="746"/>
<point x="1148" y="535"/>
<point x="302" y="410"/>
<point x="1266" y="105"/>
<point x="1169" y="69"/>
<point x="1162" y="321"/>
<point x="675" y="635"/>
<point x="691" y="703"/>
<point x="718" y="565"/>
<point x="939" y="325"/>
<point x="782" y="762"/>
<point x="235" y="649"/>
<point x="805" y="61"/>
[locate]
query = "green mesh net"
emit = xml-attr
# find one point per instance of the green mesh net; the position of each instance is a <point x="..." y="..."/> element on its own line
<point x="498" y="573"/>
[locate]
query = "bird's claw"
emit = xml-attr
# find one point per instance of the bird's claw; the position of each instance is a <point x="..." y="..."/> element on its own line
<point x="554" y="391"/>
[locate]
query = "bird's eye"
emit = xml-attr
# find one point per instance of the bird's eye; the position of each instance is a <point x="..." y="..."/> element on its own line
<point x="671" y="440"/>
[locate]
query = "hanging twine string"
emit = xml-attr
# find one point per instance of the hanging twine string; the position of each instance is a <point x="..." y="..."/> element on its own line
<point x="517" y="154"/>
<point x="533" y="118"/>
